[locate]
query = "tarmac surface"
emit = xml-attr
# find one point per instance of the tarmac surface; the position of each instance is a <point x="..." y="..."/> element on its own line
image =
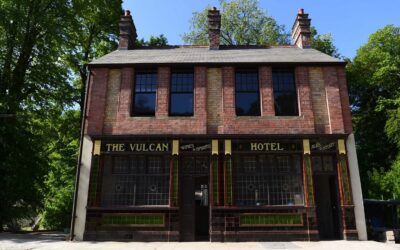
<point x="44" y="241"/>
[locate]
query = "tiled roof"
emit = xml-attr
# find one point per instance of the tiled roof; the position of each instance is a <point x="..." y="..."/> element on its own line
<point x="191" y="54"/>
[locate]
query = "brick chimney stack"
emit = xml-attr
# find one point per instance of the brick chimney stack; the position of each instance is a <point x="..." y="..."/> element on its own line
<point x="214" y="28"/>
<point x="127" y="32"/>
<point x="301" y="30"/>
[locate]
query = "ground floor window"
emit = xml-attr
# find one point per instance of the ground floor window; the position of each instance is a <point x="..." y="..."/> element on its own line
<point x="267" y="179"/>
<point x="135" y="180"/>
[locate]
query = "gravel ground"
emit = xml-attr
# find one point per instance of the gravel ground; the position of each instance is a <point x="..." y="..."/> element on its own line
<point x="45" y="241"/>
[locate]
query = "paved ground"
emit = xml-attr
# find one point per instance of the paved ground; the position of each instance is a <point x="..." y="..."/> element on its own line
<point x="55" y="241"/>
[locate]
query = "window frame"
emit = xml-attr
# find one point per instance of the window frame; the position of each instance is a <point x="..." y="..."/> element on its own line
<point x="257" y="91"/>
<point x="142" y="176"/>
<point x="172" y="92"/>
<point x="292" y="92"/>
<point x="242" y="174"/>
<point x="153" y="92"/>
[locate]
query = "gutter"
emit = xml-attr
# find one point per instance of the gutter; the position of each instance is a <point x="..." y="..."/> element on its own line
<point x="78" y="167"/>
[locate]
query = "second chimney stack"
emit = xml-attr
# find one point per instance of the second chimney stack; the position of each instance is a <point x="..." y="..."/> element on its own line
<point x="301" y="30"/>
<point x="127" y="32"/>
<point x="214" y="28"/>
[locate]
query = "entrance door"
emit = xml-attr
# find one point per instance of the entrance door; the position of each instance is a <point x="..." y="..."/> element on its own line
<point x="194" y="198"/>
<point x="326" y="196"/>
<point x="187" y="209"/>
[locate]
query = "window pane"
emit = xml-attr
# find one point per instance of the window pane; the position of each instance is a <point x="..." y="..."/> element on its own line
<point x="285" y="96"/>
<point x="144" y="97"/>
<point x="285" y="103"/>
<point x="145" y="104"/>
<point x="268" y="180"/>
<point x="247" y="104"/>
<point x="181" y="93"/>
<point x="181" y="104"/>
<point x="181" y="82"/>
<point x="247" y="93"/>
<point x="135" y="181"/>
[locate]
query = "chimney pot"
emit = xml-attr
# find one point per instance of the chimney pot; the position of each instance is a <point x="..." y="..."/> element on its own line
<point x="301" y="30"/>
<point x="127" y="32"/>
<point x="214" y="28"/>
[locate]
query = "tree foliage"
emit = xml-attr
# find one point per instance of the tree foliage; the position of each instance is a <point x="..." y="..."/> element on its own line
<point x="323" y="43"/>
<point x="154" y="41"/>
<point x="374" y="78"/>
<point x="243" y="22"/>
<point x="44" y="45"/>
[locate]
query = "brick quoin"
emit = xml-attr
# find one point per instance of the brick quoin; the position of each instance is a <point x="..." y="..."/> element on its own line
<point x="344" y="97"/>
<point x="333" y="99"/>
<point x="97" y="102"/>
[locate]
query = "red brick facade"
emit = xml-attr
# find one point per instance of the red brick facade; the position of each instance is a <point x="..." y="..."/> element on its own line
<point x="124" y="124"/>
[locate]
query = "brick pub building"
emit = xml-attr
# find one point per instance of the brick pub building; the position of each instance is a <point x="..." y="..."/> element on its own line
<point x="217" y="143"/>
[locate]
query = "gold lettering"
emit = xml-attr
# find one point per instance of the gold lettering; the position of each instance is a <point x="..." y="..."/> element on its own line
<point x="115" y="147"/>
<point x="152" y="147"/>
<point x="165" y="147"/>
<point x="266" y="146"/>
<point x="132" y="146"/>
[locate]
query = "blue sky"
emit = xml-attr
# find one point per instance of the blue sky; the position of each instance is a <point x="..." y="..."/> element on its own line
<point x="349" y="21"/>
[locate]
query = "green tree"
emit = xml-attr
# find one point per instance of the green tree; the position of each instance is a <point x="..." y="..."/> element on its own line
<point x="44" y="45"/>
<point x="243" y="22"/>
<point x="323" y="43"/>
<point x="374" y="80"/>
<point x="91" y="31"/>
<point x="32" y="78"/>
<point x="59" y="181"/>
<point x="154" y="41"/>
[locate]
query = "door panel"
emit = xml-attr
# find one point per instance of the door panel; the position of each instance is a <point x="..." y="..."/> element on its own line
<point x="202" y="208"/>
<point x="324" y="207"/>
<point x="187" y="209"/>
<point x="194" y="198"/>
<point x="326" y="196"/>
<point x="327" y="206"/>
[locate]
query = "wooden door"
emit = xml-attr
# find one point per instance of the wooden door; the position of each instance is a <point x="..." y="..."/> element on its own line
<point x="187" y="209"/>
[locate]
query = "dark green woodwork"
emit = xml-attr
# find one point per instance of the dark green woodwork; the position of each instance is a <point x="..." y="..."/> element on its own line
<point x="271" y="220"/>
<point x="174" y="182"/>
<point x="309" y="180"/>
<point x="228" y="180"/>
<point x="214" y="166"/>
<point x="94" y="174"/>
<point x="135" y="220"/>
<point x="345" y="180"/>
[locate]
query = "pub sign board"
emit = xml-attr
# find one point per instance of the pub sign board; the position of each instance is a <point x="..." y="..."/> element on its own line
<point x="195" y="147"/>
<point x="323" y="146"/>
<point x="136" y="147"/>
<point x="267" y="146"/>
